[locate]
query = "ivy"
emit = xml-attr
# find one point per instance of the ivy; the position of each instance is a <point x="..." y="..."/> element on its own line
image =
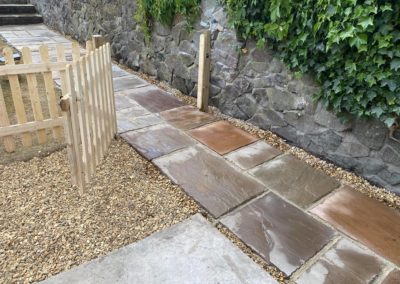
<point x="352" y="46"/>
<point x="164" y="12"/>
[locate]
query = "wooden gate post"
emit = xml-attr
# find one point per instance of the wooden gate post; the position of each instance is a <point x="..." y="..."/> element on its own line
<point x="98" y="40"/>
<point x="203" y="87"/>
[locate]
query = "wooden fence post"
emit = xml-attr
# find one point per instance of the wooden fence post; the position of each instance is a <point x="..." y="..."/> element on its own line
<point x="203" y="87"/>
<point x="98" y="41"/>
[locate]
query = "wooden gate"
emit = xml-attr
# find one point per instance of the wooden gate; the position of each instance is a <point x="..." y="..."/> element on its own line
<point x="87" y="106"/>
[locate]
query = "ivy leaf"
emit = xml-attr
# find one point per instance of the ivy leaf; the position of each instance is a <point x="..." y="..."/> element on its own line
<point x="395" y="64"/>
<point x="390" y="121"/>
<point x="365" y="22"/>
<point x="391" y="84"/>
<point x="359" y="41"/>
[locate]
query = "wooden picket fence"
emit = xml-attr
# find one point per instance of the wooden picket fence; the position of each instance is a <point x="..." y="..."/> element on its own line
<point x="86" y="110"/>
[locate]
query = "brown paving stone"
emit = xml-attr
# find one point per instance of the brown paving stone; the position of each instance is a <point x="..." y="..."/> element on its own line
<point x="209" y="179"/>
<point x="253" y="155"/>
<point x="157" y="141"/>
<point x="222" y="137"/>
<point x="392" y="278"/>
<point x="187" y="117"/>
<point x="279" y="232"/>
<point x="154" y="99"/>
<point x="364" y="219"/>
<point x="344" y="263"/>
<point x="295" y="180"/>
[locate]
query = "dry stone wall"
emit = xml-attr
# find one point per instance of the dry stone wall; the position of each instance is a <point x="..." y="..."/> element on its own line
<point x="247" y="83"/>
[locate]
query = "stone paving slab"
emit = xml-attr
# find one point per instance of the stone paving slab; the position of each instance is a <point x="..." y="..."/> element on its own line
<point x="222" y="137"/>
<point x="295" y="180"/>
<point x="122" y="101"/>
<point x="154" y="99"/>
<point x="392" y="278"/>
<point x="253" y="155"/>
<point x="191" y="252"/>
<point x="134" y="110"/>
<point x="118" y="72"/>
<point x="279" y="232"/>
<point x="136" y="123"/>
<point x="158" y="140"/>
<point x="187" y="117"/>
<point x="344" y="263"/>
<point x="365" y="220"/>
<point x="209" y="179"/>
<point x="128" y="82"/>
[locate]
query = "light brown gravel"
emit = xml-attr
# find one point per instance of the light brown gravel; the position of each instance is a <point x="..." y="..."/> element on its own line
<point x="356" y="182"/>
<point x="47" y="227"/>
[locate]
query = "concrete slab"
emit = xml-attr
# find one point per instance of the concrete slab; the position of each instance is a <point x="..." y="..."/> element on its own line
<point x="190" y="252"/>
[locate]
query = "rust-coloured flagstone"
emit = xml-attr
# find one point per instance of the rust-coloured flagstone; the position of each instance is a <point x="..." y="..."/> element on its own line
<point x="222" y="137"/>
<point x="157" y="141"/>
<point x="364" y="219"/>
<point x="209" y="179"/>
<point x="281" y="233"/>
<point x="295" y="180"/>
<point x="154" y="99"/>
<point x="253" y="155"/>
<point x="187" y="117"/>
<point x="344" y="263"/>
<point x="392" y="278"/>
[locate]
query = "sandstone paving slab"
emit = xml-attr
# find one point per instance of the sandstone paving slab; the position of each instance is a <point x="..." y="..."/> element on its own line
<point x="157" y="140"/>
<point x="187" y="117"/>
<point x="128" y="82"/>
<point x="209" y="179"/>
<point x="134" y="110"/>
<point x="364" y="219"/>
<point x="392" y="278"/>
<point x="295" y="180"/>
<point x="118" y="72"/>
<point x="253" y="155"/>
<point x="122" y="101"/>
<point x="154" y="99"/>
<point x="344" y="263"/>
<point x="135" y="123"/>
<point x="222" y="137"/>
<point x="191" y="252"/>
<point x="279" y="232"/>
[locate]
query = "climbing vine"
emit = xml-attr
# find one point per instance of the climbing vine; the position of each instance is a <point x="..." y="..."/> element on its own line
<point x="164" y="12"/>
<point x="352" y="46"/>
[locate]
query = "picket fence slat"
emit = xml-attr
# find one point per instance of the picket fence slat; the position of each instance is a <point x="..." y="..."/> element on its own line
<point x="8" y="141"/>
<point x="32" y="68"/>
<point x="34" y="95"/>
<point x="50" y="91"/>
<point x="17" y="97"/>
<point x="31" y="126"/>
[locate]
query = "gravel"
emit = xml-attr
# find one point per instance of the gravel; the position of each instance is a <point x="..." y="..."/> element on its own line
<point x="47" y="227"/>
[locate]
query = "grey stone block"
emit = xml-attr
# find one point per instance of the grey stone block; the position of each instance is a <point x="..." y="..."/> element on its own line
<point x="189" y="252"/>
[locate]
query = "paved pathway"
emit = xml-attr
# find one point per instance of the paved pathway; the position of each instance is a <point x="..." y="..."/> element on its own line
<point x="307" y="224"/>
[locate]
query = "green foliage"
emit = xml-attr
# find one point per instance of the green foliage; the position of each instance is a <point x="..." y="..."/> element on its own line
<point x="164" y="12"/>
<point x="352" y="46"/>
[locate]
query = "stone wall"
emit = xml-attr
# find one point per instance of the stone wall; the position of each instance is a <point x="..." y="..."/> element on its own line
<point x="247" y="83"/>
